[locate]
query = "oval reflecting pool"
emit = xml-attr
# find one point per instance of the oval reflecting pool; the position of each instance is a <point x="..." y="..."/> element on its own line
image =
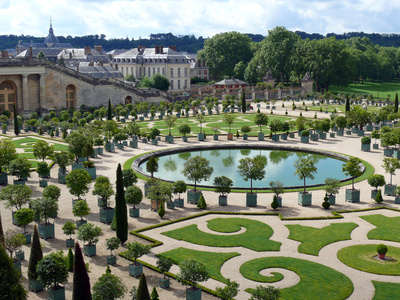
<point x="225" y="161"/>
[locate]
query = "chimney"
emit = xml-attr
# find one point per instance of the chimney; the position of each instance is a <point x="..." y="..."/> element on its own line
<point x="70" y="55"/>
<point x="98" y="49"/>
<point x="172" y="47"/>
<point x="157" y="49"/>
<point x="139" y="48"/>
<point x="88" y="50"/>
<point x="30" y="52"/>
<point x="4" y="54"/>
<point x="161" y="49"/>
<point x="91" y="64"/>
<point x="101" y="63"/>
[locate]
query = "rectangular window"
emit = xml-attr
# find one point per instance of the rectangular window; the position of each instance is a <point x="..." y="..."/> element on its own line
<point x="179" y="84"/>
<point x="132" y="70"/>
<point x="185" y="72"/>
<point x="158" y="70"/>
<point x="179" y="72"/>
<point x="185" y="84"/>
<point x="163" y="71"/>
<point x="172" y="84"/>
<point x="172" y="72"/>
<point x="205" y="72"/>
<point x="154" y="71"/>
<point x="149" y="72"/>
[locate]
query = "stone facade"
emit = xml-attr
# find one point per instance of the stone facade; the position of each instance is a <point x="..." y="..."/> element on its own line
<point x="40" y="85"/>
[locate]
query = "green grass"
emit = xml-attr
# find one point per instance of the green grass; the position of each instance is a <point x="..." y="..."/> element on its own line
<point x="316" y="281"/>
<point x="361" y="257"/>
<point x="388" y="228"/>
<point x="313" y="239"/>
<point x="256" y="237"/>
<point x="371" y="88"/>
<point x="386" y="290"/>
<point x="212" y="260"/>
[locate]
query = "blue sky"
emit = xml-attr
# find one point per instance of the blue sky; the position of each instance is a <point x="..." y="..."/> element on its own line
<point x="132" y="18"/>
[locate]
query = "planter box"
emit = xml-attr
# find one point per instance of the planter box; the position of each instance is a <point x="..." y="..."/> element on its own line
<point x="110" y="147"/>
<point x="19" y="182"/>
<point x="3" y="178"/>
<point x="61" y="178"/>
<point x="169" y="139"/>
<point x="291" y="135"/>
<point x="58" y="294"/>
<point x="28" y="237"/>
<point x="144" y="140"/>
<point x="133" y="144"/>
<point x="261" y="136"/>
<point x="134" y="212"/>
<point x="155" y="205"/>
<point x="79" y="223"/>
<point x="92" y="172"/>
<point x="279" y="200"/>
<point x="251" y="199"/>
<point x="314" y="137"/>
<point x="77" y="166"/>
<point x="17" y="266"/>
<point x="229" y="136"/>
<point x="366" y="147"/>
<point x="275" y="137"/>
<point x="135" y="270"/>
<point x="215" y="137"/>
<point x="388" y="152"/>
<point x="369" y="127"/>
<point x="304" y="199"/>
<point x="396" y="153"/>
<point x="89" y="250"/>
<point x="332" y="135"/>
<point x="193" y="197"/>
<point x="352" y="195"/>
<point x="106" y="215"/>
<point x="193" y="294"/>
<point x="375" y="146"/>
<point x="200" y="136"/>
<point x="20" y="255"/>
<point x="111" y="259"/>
<point x="332" y="199"/>
<point x="322" y="136"/>
<point x="397" y="200"/>
<point x="184" y="138"/>
<point x="154" y="142"/>
<point x="120" y="146"/>
<point x="245" y="137"/>
<point x="164" y="283"/>
<point x="390" y="189"/>
<point x="348" y="132"/>
<point x="170" y="205"/>
<point x="305" y="139"/>
<point x="70" y="243"/>
<point x="223" y="200"/>
<point x="46" y="231"/>
<point x="373" y="194"/>
<point x="340" y="132"/>
<point x="35" y="285"/>
<point x="179" y="203"/>
<point x="360" y="133"/>
<point x="284" y="137"/>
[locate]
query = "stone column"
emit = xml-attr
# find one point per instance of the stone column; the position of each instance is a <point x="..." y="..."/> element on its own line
<point x="25" y="92"/>
<point x="42" y="92"/>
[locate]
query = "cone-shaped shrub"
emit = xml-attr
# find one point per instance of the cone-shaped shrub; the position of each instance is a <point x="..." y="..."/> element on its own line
<point x="81" y="282"/>
<point x="161" y="210"/>
<point x="1" y="233"/>
<point x="202" y="203"/>
<point x="154" y="294"/>
<point x="143" y="291"/>
<point x="378" y="197"/>
<point x="121" y="213"/>
<point x="16" y="125"/>
<point x="70" y="260"/>
<point x="36" y="254"/>
<point x="274" y="203"/>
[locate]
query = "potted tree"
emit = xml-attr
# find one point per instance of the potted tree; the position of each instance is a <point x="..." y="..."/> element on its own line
<point x="153" y="134"/>
<point x="229" y="119"/>
<point x="179" y="187"/>
<point x="78" y="183"/>
<point x="80" y="209"/>
<point x="69" y="229"/>
<point x="216" y="130"/>
<point x="43" y="150"/>
<point x="77" y="142"/>
<point x="112" y="244"/>
<point x="341" y="122"/>
<point x="397" y="195"/>
<point x="43" y="171"/>
<point x="223" y="186"/>
<point x="99" y="142"/>
<point x="376" y="180"/>
<point x="133" y="196"/>
<point x="365" y="143"/>
<point x="390" y="164"/>
<point x="43" y="208"/>
<point x="260" y="120"/>
<point x="375" y="135"/>
<point x="136" y="250"/>
<point x="304" y="169"/>
<point x="103" y="189"/>
<point x="332" y="186"/>
<point x="7" y="154"/>
<point x="89" y="234"/>
<point x="382" y="250"/>
<point x="52" y="191"/>
<point x="24" y="216"/>
<point x="89" y="167"/>
<point x="170" y="122"/>
<point x="352" y="168"/>
<point x="196" y="169"/>
<point x="305" y="136"/>
<point x="62" y="159"/>
<point x="36" y="255"/>
<point x="110" y="128"/>
<point x="277" y="189"/>
<point x="184" y="129"/>
<point x="275" y="126"/>
<point x="200" y="119"/>
<point x="52" y="272"/>
<point x="12" y="243"/>
<point x="191" y="272"/>
<point x="253" y="169"/>
<point x="164" y="264"/>
<point x="245" y="129"/>
<point x="20" y="167"/>
<point x="16" y="196"/>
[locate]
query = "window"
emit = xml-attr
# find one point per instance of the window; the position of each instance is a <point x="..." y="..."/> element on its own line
<point x="154" y="71"/>
<point x="70" y="96"/>
<point x="179" y="84"/>
<point x="185" y="72"/>
<point x="7" y="97"/>
<point x="163" y="71"/>
<point x="158" y="70"/>
<point x="179" y="72"/>
<point x="172" y="72"/>
<point x="172" y="84"/>
<point x="128" y="100"/>
<point x="205" y="72"/>
<point x="132" y="70"/>
<point x="185" y="87"/>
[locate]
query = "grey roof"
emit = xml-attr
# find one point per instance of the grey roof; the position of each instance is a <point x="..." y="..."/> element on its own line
<point x="150" y="53"/>
<point x="307" y="77"/>
<point x="231" y="81"/>
<point x="98" y="71"/>
<point x="79" y="54"/>
<point x="48" y="52"/>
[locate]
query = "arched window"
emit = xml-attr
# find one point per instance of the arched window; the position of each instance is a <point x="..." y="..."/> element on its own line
<point x="70" y="100"/>
<point x="7" y="97"/>
<point x="128" y="100"/>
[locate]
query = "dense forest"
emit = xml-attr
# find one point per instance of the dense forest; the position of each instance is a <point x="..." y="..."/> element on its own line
<point x="188" y="43"/>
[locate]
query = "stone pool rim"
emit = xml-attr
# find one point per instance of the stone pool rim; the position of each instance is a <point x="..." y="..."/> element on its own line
<point x="144" y="157"/>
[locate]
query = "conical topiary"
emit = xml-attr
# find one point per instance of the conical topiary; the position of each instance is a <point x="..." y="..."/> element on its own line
<point x="70" y="260"/>
<point x="143" y="291"/>
<point x="161" y="210"/>
<point x="121" y="212"/>
<point x="154" y="294"/>
<point x="36" y="254"/>
<point x="326" y="204"/>
<point x="1" y="233"/>
<point x="81" y="282"/>
<point x="378" y="197"/>
<point x="202" y="202"/>
<point x="274" y="203"/>
<point x="109" y="111"/>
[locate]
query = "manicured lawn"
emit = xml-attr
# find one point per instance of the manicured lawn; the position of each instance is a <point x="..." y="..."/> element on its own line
<point x="361" y="257"/>
<point x="383" y="88"/>
<point x="313" y="239"/>
<point x="386" y="290"/>
<point x="256" y="237"/>
<point x="212" y="260"/>
<point x="387" y="228"/>
<point x="316" y="281"/>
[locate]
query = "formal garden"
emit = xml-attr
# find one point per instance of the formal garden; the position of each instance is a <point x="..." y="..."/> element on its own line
<point x="61" y="184"/>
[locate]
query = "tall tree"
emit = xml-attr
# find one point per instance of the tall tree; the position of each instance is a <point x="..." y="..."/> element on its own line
<point x="396" y="103"/>
<point x="36" y="254"/>
<point x="243" y="101"/>
<point x="121" y="213"/>
<point x="143" y="290"/>
<point x="81" y="281"/>
<point x="109" y="111"/>
<point x="10" y="284"/>
<point x="1" y="233"/>
<point x="347" y="106"/>
<point x="16" y="124"/>
<point x="152" y="166"/>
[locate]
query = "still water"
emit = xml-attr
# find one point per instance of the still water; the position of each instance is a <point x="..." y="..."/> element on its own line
<point x="225" y="161"/>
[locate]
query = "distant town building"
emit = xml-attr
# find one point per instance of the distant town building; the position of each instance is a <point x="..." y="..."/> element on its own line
<point x="230" y="84"/>
<point x="198" y="67"/>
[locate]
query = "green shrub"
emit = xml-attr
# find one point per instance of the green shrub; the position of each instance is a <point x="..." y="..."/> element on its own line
<point x="202" y="203"/>
<point x="366" y="140"/>
<point x="326" y="203"/>
<point x="378" y="197"/>
<point x="88" y="164"/>
<point x="382" y="249"/>
<point x="161" y="210"/>
<point x="305" y="133"/>
<point x="275" y="203"/>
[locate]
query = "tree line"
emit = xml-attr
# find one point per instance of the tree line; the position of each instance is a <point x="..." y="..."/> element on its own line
<point x="329" y="60"/>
